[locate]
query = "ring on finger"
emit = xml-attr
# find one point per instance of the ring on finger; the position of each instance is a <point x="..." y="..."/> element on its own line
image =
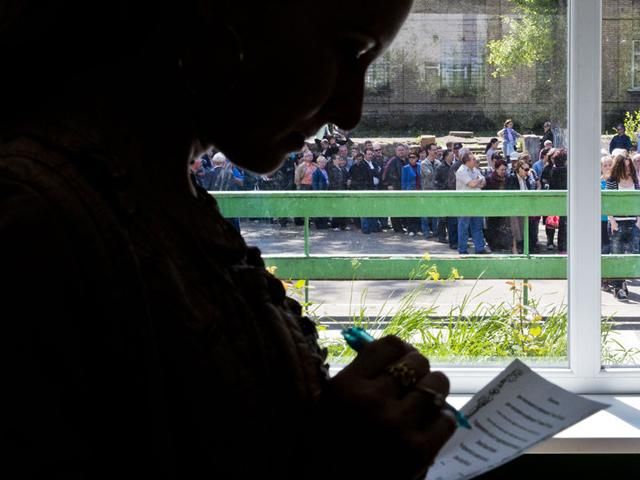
<point x="403" y="374"/>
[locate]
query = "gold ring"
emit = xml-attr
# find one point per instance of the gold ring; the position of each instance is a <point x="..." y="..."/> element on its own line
<point x="404" y="375"/>
<point x="436" y="398"/>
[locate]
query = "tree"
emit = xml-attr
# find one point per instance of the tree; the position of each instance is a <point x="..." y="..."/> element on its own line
<point x="531" y="38"/>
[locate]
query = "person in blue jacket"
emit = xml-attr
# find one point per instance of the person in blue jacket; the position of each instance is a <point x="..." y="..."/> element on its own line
<point x="411" y="181"/>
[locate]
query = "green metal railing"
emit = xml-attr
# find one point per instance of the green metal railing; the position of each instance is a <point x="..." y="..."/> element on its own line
<point x="424" y="204"/>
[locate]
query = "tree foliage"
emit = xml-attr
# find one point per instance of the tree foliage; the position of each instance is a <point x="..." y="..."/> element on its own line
<point x="530" y="39"/>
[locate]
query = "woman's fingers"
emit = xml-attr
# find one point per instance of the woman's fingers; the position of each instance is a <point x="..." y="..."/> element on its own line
<point x="376" y="356"/>
<point x="426" y="399"/>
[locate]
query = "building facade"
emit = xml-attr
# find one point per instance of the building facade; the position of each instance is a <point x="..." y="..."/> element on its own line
<point x="436" y="76"/>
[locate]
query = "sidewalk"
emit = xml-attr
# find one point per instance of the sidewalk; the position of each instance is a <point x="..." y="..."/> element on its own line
<point x="342" y="298"/>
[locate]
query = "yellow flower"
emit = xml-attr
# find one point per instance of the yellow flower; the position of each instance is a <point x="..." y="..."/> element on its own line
<point x="433" y="274"/>
<point x="426" y="257"/>
<point x="535" y="331"/>
<point x="299" y="284"/>
<point x="455" y="275"/>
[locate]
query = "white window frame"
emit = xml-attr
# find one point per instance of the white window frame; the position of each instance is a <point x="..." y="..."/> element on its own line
<point x="585" y="373"/>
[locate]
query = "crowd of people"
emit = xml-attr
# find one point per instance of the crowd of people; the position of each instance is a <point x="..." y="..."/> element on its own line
<point x="340" y="164"/>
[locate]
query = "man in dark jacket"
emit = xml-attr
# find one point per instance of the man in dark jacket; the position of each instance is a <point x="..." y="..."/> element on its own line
<point x="441" y="182"/>
<point x="547" y="135"/>
<point x="338" y="177"/>
<point x="363" y="176"/>
<point x="559" y="182"/>
<point x="620" y="140"/>
<point x="392" y="179"/>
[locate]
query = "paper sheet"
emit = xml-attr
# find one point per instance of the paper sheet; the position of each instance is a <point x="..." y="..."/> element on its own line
<point x="515" y="411"/>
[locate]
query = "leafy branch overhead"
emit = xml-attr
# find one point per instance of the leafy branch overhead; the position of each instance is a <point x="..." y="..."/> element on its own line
<point x="529" y="40"/>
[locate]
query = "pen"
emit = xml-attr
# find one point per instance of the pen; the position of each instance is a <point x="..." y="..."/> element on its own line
<point x="357" y="338"/>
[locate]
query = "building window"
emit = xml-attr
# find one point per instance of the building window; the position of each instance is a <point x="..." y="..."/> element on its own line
<point x="635" y="66"/>
<point x="462" y="64"/>
<point x="378" y="78"/>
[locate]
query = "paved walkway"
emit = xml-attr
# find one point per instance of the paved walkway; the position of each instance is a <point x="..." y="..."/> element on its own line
<point x="338" y="297"/>
<point x="339" y="300"/>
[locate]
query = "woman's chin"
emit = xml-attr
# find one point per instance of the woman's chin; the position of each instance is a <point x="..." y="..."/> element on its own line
<point x="261" y="163"/>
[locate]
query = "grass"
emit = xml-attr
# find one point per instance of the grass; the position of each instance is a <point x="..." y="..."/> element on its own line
<point x="473" y="332"/>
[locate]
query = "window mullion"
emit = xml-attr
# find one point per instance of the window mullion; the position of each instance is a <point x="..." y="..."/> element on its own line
<point x="585" y="38"/>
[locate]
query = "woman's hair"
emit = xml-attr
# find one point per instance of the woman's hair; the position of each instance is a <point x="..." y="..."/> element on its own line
<point x="619" y="169"/>
<point x="507" y="122"/>
<point x="520" y="164"/>
<point x="543" y="152"/>
<point x="489" y="143"/>
<point x="559" y="158"/>
<point x="497" y="156"/>
<point x="499" y="163"/>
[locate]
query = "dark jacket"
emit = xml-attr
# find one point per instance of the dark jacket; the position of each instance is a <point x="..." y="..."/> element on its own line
<point x="548" y="135"/>
<point x="558" y="178"/>
<point x="513" y="184"/>
<point x="362" y="176"/>
<point x="442" y="175"/>
<point x="495" y="182"/>
<point x="451" y="180"/>
<point x="337" y="177"/>
<point x="545" y="177"/>
<point x="392" y="174"/>
<point x="620" y="141"/>
<point x="283" y="178"/>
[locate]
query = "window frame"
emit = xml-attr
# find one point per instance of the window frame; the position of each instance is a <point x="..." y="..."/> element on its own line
<point x="585" y="373"/>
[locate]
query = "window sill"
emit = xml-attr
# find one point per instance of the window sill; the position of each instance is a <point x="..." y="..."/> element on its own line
<point x="615" y="430"/>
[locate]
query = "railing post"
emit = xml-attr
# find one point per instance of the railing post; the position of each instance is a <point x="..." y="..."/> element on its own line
<point x="525" y="281"/>
<point x="306" y="254"/>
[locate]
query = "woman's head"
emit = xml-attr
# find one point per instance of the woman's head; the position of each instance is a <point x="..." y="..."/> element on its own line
<point x="493" y="143"/>
<point x="623" y="169"/>
<point x="321" y="161"/>
<point x="543" y="153"/>
<point x="525" y="157"/>
<point x="508" y="123"/>
<point x="413" y="158"/>
<point x="521" y="168"/>
<point x="207" y="61"/>
<point x="606" y="163"/>
<point x="559" y="158"/>
<point x="500" y="168"/>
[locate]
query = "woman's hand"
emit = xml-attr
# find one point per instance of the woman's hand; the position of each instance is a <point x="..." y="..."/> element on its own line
<point x="382" y="428"/>
<point x="614" y="225"/>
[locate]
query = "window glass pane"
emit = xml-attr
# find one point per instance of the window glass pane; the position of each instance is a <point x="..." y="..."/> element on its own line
<point x="619" y="165"/>
<point x="456" y="72"/>
<point x="620" y="233"/>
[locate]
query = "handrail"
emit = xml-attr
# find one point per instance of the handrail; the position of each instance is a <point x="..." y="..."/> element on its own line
<point x="264" y="204"/>
<point x="421" y="203"/>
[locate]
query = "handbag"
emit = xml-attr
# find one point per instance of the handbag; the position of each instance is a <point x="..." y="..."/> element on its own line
<point x="552" y="221"/>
